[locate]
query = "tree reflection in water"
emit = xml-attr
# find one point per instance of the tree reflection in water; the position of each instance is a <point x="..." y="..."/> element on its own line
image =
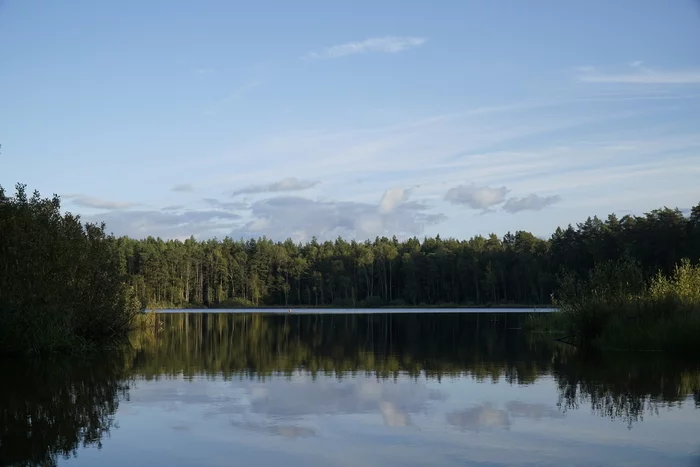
<point x="50" y="409"/>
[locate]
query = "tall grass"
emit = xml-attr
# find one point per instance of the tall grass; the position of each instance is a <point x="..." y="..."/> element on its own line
<point x="614" y="309"/>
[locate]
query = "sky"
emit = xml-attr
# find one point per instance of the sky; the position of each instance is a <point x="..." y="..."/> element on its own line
<point x="354" y="119"/>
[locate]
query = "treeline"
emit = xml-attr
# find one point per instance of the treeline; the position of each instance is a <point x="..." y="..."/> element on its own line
<point x="517" y="269"/>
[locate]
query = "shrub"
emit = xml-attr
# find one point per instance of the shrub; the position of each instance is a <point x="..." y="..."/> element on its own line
<point x="613" y="308"/>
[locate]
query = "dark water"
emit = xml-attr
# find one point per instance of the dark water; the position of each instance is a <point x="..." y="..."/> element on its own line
<point x="432" y="389"/>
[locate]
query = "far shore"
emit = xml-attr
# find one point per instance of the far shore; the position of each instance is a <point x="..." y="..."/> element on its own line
<point x="331" y="307"/>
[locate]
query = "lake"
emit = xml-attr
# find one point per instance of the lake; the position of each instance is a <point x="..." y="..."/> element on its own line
<point x="349" y="389"/>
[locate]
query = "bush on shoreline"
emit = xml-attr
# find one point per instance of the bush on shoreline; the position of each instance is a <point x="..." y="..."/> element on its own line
<point x="614" y="309"/>
<point x="61" y="287"/>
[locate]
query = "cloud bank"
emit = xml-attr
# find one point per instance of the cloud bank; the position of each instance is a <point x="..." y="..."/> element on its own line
<point x="279" y="217"/>
<point x="301" y="218"/>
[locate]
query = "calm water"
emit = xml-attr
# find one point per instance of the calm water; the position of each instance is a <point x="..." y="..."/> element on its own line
<point x="435" y="389"/>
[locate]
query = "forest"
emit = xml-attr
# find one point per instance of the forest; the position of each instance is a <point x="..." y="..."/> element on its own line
<point x="517" y="269"/>
<point x="69" y="285"/>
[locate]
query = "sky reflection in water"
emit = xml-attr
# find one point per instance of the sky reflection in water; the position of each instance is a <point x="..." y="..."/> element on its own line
<point x="433" y="390"/>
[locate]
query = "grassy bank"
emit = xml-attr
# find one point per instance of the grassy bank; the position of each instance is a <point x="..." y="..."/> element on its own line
<point x="613" y="308"/>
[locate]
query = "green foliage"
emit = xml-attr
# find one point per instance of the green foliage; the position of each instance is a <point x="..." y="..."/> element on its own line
<point x="66" y="285"/>
<point x="614" y="308"/>
<point x="683" y="287"/>
<point x="60" y="283"/>
<point x="517" y="268"/>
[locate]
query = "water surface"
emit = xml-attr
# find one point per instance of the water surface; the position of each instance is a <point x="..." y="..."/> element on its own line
<point x="438" y="389"/>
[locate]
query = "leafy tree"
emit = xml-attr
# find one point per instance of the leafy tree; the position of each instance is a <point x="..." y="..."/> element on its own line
<point x="61" y="282"/>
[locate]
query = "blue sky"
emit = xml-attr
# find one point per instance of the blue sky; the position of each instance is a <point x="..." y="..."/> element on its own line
<point x="293" y="119"/>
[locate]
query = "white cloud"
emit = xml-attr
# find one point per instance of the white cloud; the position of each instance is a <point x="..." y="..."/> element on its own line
<point x="386" y="44"/>
<point x="484" y="198"/>
<point x="286" y="184"/>
<point x="531" y="202"/>
<point x="183" y="188"/>
<point x="640" y="75"/>
<point x="392" y="198"/>
<point x="96" y="203"/>
<point x="476" y="197"/>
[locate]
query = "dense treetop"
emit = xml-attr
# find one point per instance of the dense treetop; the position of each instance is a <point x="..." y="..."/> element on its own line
<point x="60" y="280"/>
<point x="517" y="268"/>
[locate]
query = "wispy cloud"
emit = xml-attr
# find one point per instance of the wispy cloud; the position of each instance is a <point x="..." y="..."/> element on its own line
<point x="637" y="73"/>
<point x="385" y="44"/>
<point x="205" y="71"/>
<point x="229" y="205"/>
<point x="286" y="184"/>
<point x="96" y="203"/>
<point x="183" y="188"/>
<point x="522" y="157"/>
<point x="532" y="202"/>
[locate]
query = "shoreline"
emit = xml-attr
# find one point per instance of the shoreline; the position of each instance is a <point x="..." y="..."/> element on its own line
<point x="330" y="307"/>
